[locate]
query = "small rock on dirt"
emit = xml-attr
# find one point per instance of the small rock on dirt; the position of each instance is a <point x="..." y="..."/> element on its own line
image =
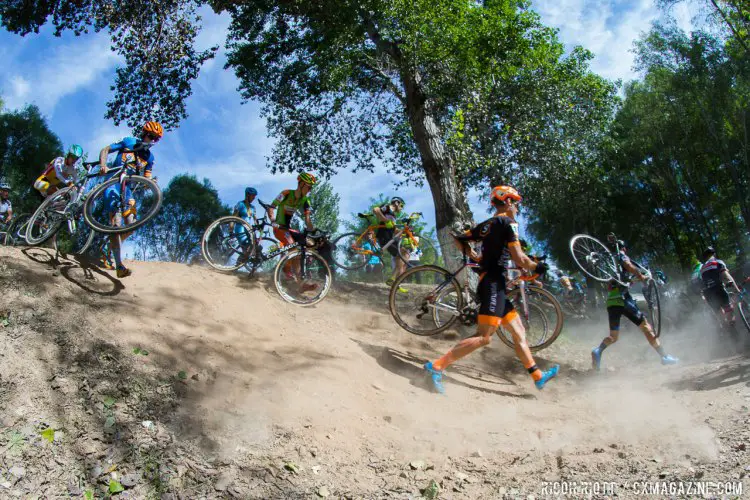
<point x="129" y="480"/>
<point x="323" y="492"/>
<point x="17" y="471"/>
<point x="417" y="464"/>
<point x="223" y="482"/>
<point x="477" y="454"/>
<point x="461" y="476"/>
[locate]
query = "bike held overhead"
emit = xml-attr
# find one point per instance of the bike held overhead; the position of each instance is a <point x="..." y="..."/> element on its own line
<point x="498" y="236"/>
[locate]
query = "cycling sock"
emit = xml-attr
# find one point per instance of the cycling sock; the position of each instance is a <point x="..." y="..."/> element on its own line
<point x="534" y="371"/>
<point x="660" y="350"/>
<point x="602" y="346"/>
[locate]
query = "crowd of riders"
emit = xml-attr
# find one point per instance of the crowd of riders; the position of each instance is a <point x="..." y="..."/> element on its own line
<point x="498" y="237"/>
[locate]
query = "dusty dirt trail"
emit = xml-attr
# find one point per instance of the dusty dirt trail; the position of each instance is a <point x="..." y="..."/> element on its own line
<point x="244" y="395"/>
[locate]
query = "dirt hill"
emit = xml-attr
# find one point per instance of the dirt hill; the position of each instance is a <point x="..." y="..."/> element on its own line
<point x="180" y="382"/>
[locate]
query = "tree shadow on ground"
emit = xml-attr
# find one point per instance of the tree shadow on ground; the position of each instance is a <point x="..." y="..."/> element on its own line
<point x="409" y="366"/>
<point x="736" y="371"/>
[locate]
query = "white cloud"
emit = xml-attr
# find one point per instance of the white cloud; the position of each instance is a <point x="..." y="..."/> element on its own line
<point x="45" y="78"/>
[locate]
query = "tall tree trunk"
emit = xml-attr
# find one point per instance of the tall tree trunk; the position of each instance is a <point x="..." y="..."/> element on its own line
<point x="451" y="207"/>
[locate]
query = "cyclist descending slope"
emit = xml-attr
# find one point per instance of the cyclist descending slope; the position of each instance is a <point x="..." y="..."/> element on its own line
<point x="497" y="236"/>
<point x="130" y="149"/>
<point x="61" y="171"/>
<point x="244" y="209"/>
<point x="621" y="303"/>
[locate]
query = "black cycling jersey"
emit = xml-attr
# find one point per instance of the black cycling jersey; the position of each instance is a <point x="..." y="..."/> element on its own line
<point x="496" y="235"/>
<point x="711" y="272"/>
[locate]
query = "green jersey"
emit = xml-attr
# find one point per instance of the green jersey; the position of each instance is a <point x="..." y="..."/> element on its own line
<point x="287" y="205"/>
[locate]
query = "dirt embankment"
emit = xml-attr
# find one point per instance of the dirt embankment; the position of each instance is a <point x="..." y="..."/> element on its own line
<point x="179" y="382"/>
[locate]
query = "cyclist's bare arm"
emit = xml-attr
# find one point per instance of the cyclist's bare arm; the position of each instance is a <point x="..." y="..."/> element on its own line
<point x="103" y="158"/>
<point x="629" y="267"/>
<point x="463" y="245"/>
<point x="520" y="258"/>
<point x="727" y="278"/>
<point x="308" y="221"/>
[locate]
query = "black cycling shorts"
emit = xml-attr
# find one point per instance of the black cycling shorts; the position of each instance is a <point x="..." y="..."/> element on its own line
<point x="629" y="310"/>
<point x="492" y="299"/>
<point x="384" y="235"/>
<point x="717" y="297"/>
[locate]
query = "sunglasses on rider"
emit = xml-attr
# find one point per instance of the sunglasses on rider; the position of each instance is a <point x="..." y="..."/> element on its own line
<point x="154" y="138"/>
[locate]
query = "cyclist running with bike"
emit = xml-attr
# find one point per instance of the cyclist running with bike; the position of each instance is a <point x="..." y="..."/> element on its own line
<point x="621" y="303"/>
<point x="131" y="151"/>
<point x="497" y="235"/>
<point x="714" y="275"/>
<point x="6" y="207"/>
<point x="386" y="214"/>
<point x="60" y="172"/>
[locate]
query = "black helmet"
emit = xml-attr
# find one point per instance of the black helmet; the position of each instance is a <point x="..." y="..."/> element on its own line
<point x="708" y="253"/>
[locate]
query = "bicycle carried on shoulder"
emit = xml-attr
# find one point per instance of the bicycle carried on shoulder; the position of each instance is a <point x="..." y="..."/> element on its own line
<point x="596" y="260"/>
<point x="435" y="300"/>
<point x="302" y="276"/>
<point x="350" y="252"/>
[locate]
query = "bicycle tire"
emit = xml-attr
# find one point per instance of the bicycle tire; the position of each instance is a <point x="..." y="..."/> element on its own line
<point x="56" y="244"/>
<point x="89" y="207"/>
<point x="532" y="290"/>
<point x="308" y="254"/>
<point x="392" y="297"/>
<point x="428" y="248"/>
<point x="579" y="244"/>
<point x="259" y="245"/>
<point x="340" y="253"/>
<point x="212" y="260"/>
<point x="17" y="230"/>
<point x="654" y="307"/>
<point x="41" y="209"/>
<point x="744" y="308"/>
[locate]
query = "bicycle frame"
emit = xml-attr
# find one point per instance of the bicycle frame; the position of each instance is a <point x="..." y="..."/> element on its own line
<point x="399" y="234"/>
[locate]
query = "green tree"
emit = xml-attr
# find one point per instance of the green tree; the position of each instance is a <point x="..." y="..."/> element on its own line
<point x="175" y="233"/>
<point x="353" y="84"/>
<point x="325" y="209"/>
<point x="26" y="146"/>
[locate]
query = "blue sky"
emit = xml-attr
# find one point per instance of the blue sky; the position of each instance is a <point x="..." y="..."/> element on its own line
<point x="224" y="140"/>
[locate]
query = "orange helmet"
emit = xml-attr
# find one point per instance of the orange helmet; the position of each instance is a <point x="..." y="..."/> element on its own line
<point x="154" y="128"/>
<point x="502" y="193"/>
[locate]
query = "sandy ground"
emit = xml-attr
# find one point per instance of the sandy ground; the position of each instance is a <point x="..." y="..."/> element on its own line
<point x="243" y="395"/>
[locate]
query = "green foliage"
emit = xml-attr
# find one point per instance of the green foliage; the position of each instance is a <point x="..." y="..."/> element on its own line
<point x="26" y="146"/>
<point x="325" y="209"/>
<point x="174" y="234"/>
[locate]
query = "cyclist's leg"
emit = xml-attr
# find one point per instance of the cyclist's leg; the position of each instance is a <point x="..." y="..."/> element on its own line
<point x="42" y="185"/>
<point x="614" y="312"/>
<point x="635" y="315"/>
<point x="285" y="239"/>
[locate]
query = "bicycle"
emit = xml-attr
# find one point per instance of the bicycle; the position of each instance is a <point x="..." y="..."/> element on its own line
<point x="595" y="259"/>
<point x="231" y="237"/>
<point x="349" y="252"/>
<point x="14" y="233"/>
<point x="435" y="301"/>
<point x="63" y="206"/>
<point x="738" y="302"/>
<point x="307" y="269"/>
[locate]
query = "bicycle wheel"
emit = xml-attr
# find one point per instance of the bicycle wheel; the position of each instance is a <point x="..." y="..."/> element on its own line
<point x="17" y="230"/>
<point x="593" y="257"/>
<point x="428" y="254"/>
<point x="348" y="252"/>
<point x="48" y="216"/>
<point x="542" y="318"/>
<point x="108" y="205"/>
<point x="743" y="307"/>
<point x="302" y="278"/>
<point x="651" y="294"/>
<point x="228" y="243"/>
<point x="77" y="242"/>
<point x="263" y="247"/>
<point x="427" y="288"/>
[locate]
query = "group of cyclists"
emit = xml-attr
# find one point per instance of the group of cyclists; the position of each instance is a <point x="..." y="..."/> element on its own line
<point x="498" y="237"/>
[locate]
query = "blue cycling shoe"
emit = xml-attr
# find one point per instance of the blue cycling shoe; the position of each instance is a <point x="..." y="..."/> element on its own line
<point x="596" y="358"/>
<point x="436" y="376"/>
<point x="669" y="360"/>
<point x="546" y="376"/>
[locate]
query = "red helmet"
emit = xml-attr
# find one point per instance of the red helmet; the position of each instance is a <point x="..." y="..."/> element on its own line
<point x="502" y="193"/>
<point x="154" y="128"/>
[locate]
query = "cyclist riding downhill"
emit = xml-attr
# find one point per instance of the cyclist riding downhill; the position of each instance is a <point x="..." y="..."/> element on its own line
<point x="714" y="276"/>
<point x="6" y="207"/>
<point x="245" y="210"/>
<point x="288" y="203"/>
<point x="497" y="235"/>
<point x="129" y="150"/>
<point x="61" y="171"/>
<point x="621" y="303"/>
<point x="386" y="215"/>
